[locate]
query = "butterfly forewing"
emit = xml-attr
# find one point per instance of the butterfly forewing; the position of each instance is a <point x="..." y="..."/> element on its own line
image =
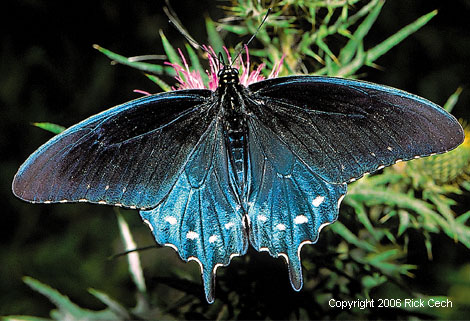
<point x="130" y="155"/>
<point x="344" y="128"/>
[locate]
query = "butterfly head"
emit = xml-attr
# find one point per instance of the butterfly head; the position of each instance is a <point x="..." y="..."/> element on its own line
<point x="227" y="76"/>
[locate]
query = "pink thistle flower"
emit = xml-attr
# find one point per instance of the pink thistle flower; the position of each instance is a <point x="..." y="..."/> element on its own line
<point x="188" y="79"/>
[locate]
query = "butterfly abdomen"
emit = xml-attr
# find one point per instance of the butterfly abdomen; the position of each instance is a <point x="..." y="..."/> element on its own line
<point x="235" y="132"/>
<point x="235" y="126"/>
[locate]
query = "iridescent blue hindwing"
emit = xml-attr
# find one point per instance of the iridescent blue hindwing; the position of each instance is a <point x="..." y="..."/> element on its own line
<point x="289" y="203"/>
<point x="201" y="217"/>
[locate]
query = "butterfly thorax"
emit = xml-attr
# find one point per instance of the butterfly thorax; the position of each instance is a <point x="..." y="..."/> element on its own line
<point x="234" y="124"/>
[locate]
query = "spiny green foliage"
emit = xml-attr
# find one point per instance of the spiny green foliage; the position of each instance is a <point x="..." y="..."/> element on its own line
<point x="364" y="253"/>
<point x="53" y="128"/>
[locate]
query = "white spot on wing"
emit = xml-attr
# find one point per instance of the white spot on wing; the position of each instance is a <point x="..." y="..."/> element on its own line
<point x="63" y="201"/>
<point x="281" y="227"/>
<point x="283" y="176"/>
<point x="102" y="202"/>
<point x="389" y="148"/>
<point x="171" y="220"/>
<point x="300" y="219"/>
<point x="229" y="225"/>
<point x="262" y="218"/>
<point x="47" y="202"/>
<point x="82" y="200"/>
<point x="213" y="238"/>
<point x="380" y="167"/>
<point x="192" y="235"/>
<point x="318" y="200"/>
<point x="106" y="188"/>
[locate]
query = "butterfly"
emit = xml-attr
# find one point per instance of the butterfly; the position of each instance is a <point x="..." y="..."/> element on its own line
<point x="213" y="171"/>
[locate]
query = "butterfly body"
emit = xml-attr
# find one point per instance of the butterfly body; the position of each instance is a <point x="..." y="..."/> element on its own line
<point x="213" y="171"/>
<point x="235" y="130"/>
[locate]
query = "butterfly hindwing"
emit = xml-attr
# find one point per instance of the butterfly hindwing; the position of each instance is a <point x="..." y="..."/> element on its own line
<point x="201" y="217"/>
<point x="289" y="203"/>
<point x="345" y="128"/>
<point x="129" y="155"/>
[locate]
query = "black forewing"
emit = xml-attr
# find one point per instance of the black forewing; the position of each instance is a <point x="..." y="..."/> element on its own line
<point x="129" y="155"/>
<point x="344" y="128"/>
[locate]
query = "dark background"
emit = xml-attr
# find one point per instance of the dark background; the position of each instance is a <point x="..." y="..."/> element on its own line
<point x="50" y="72"/>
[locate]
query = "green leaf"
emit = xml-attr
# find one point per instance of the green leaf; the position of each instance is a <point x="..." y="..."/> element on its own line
<point x="23" y="318"/>
<point x="163" y="85"/>
<point x="61" y="301"/>
<point x="452" y="100"/>
<point x="404" y="221"/>
<point x="385" y="261"/>
<point x="462" y="219"/>
<point x="113" y="305"/>
<point x="143" y="66"/>
<point x="213" y="35"/>
<point x="349" y="50"/>
<point x="196" y="64"/>
<point x="346" y="234"/>
<point x="382" y="48"/>
<point x="370" y="282"/>
<point x="170" y="52"/>
<point x="50" y="127"/>
<point x="135" y="268"/>
<point x="238" y="30"/>
<point x="67" y="310"/>
<point x="392" y="198"/>
<point x="363" y="218"/>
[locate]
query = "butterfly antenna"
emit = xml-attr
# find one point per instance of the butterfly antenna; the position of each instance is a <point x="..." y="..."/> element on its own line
<point x="253" y="36"/>
<point x="221" y="61"/>
<point x="173" y="18"/>
<point x="115" y="256"/>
